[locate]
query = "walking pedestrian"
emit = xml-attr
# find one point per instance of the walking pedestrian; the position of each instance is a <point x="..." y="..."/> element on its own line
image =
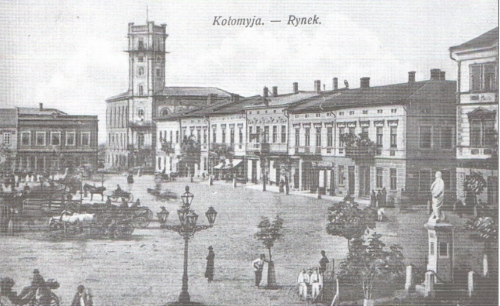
<point x="81" y="297"/>
<point x="258" y="266"/>
<point x="323" y="262"/>
<point x="209" y="272"/>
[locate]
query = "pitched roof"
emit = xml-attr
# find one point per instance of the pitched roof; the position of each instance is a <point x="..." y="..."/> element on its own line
<point x="236" y="107"/>
<point x="195" y="91"/>
<point x="362" y="97"/>
<point x="38" y="111"/>
<point x="8" y="117"/>
<point x="181" y="91"/>
<point x="485" y="40"/>
<point x="282" y="100"/>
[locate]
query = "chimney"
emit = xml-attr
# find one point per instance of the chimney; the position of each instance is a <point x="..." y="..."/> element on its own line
<point x="41" y="106"/>
<point x="411" y="77"/>
<point x="265" y="92"/>
<point x="335" y="83"/>
<point x="275" y="91"/>
<point x="317" y="85"/>
<point x="295" y="87"/>
<point x="364" y="82"/>
<point x="435" y="74"/>
<point x="442" y="75"/>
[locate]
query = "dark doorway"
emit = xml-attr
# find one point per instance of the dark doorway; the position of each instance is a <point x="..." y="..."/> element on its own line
<point x="350" y="177"/>
<point x="364" y="181"/>
<point x="254" y="171"/>
<point x="492" y="190"/>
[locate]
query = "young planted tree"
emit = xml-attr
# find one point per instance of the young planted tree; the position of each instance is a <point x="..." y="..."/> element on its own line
<point x="369" y="261"/>
<point x="474" y="186"/>
<point x="485" y="228"/>
<point x="269" y="232"/>
<point x="346" y="219"/>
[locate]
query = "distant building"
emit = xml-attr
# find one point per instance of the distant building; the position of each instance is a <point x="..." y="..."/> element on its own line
<point x="50" y="140"/>
<point x="8" y="139"/>
<point x="129" y="116"/>
<point x="477" y="112"/>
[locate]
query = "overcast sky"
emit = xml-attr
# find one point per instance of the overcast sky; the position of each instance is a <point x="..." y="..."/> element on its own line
<point x="69" y="54"/>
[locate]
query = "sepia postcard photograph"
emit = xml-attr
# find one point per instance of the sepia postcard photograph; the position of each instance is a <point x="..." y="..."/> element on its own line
<point x="257" y="153"/>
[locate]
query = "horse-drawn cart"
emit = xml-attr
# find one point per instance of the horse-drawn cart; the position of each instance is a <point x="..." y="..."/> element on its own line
<point x="102" y="220"/>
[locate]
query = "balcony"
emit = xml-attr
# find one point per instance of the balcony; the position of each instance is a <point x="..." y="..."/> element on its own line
<point x="360" y="153"/>
<point x="222" y="147"/>
<point x="476" y="153"/>
<point x="309" y="150"/>
<point x="140" y="124"/>
<point x="168" y="147"/>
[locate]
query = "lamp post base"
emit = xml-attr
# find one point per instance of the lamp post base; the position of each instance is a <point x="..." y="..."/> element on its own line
<point x="184" y="298"/>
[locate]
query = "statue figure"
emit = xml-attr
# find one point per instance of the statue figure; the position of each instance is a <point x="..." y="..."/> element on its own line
<point x="437" y="191"/>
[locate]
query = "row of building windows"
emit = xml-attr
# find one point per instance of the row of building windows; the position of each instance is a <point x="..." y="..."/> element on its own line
<point x="141" y="71"/>
<point x="393" y="176"/>
<point x="117" y="116"/>
<point x="277" y="137"/>
<point x="54" y="138"/>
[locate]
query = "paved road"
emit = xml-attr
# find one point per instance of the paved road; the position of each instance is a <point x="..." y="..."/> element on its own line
<point x="147" y="269"/>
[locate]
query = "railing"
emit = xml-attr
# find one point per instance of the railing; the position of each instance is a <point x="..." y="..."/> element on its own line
<point x="140" y="124"/>
<point x="360" y="152"/>
<point x="475" y="152"/>
<point x="221" y="146"/>
<point x="308" y="150"/>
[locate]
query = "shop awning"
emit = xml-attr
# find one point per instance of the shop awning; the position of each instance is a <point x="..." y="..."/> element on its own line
<point x="236" y="163"/>
<point x="219" y="166"/>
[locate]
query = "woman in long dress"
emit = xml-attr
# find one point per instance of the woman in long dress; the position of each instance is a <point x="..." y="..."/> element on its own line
<point x="209" y="272"/>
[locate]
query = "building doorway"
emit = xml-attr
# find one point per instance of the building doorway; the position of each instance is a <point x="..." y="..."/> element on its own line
<point x="364" y="181"/>
<point x="350" y="177"/>
<point x="254" y="171"/>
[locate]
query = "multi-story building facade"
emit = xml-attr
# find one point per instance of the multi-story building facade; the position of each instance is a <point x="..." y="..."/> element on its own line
<point x="407" y="129"/>
<point x="268" y="134"/>
<point x="49" y="140"/>
<point x="129" y="115"/>
<point x="217" y="130"/>
<point x="8" y="139"/>
<point x="477" y="113"/>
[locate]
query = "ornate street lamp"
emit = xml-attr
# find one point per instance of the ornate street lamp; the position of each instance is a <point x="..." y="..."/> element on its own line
<point x="187" y="229"/>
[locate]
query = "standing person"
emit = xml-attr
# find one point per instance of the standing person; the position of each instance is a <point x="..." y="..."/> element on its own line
<point x="81" y="298"/>
<point x="209" y="272"/>
<point x="323" y="262"/>
<point x="373" y="199"/>
<point x="258" y="266"/>
<point x="303" y="280"/>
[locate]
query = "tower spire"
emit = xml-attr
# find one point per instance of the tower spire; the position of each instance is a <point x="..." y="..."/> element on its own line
<point x="147" y="14"/>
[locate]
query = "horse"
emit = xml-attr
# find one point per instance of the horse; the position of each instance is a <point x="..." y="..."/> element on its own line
<point x="93" y="190"/>
<point x="70" y="218"/>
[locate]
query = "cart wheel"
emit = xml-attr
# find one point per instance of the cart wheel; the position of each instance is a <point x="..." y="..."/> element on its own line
<point x="141" y="222"/>
<point x="54" y="226"/>
<point x="54" y="300"/>
<point x="124" y="231"/>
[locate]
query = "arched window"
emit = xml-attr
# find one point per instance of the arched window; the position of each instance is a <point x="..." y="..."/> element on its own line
<point x="140" y="112"/>
<point x="164" y="111"/>
<point x="141" y="90"/>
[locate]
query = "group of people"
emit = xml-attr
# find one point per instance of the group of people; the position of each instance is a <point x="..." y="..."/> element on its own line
<point x="379" y="199"/>
<point x="39" y="290"/>
<point x="312" y="279"/>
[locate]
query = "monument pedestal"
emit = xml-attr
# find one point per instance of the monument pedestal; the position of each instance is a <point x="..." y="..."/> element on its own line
<point x="441" y="249"/>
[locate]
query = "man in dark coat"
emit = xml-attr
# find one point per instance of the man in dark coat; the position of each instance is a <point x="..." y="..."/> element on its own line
<point x="81" y="298"/>
<point x="209" y="272"/>
<point x="323" y="262"/>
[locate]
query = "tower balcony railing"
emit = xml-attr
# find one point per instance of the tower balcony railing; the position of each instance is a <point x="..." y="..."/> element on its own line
<point x="138" y="124"/>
